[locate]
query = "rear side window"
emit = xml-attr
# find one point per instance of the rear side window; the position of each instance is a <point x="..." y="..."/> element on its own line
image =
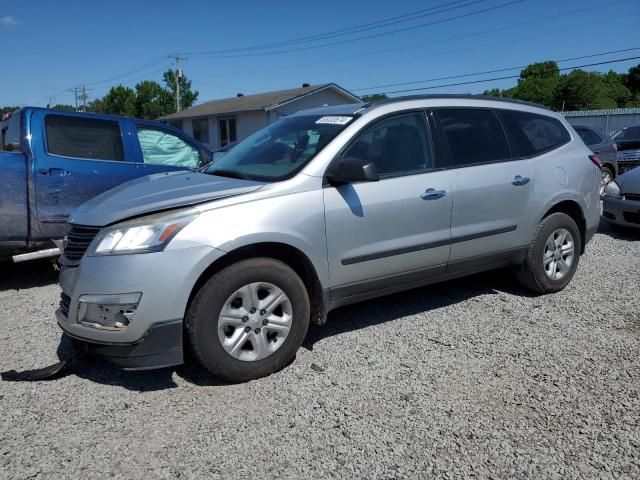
<point x="589" y="137"/>
<point x="474" y="136"/>
<point x="532" y="134"/>
<point x="80" y="137"/>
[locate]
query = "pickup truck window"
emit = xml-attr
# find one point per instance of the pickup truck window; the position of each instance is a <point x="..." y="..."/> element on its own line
<point x="10" y="134"/>
<point x="163" y="148"/>
<point x="81" y="137"/>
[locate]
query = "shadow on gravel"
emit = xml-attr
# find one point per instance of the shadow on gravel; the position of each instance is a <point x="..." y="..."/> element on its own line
<point x="17" y="276"/>
<point x="342" y="320"/>
<point x="399" y="305"/>
<point x="103" y="372"/>
<point x="619" y="233"/>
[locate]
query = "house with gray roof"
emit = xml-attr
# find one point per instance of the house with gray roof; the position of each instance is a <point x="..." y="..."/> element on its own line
<point x="219" y="122"/>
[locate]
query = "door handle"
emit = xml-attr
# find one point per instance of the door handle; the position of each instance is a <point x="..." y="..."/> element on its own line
<point x="433" y="194"/>
<point x="58" y="172"/>
<point x="519" y="180"/>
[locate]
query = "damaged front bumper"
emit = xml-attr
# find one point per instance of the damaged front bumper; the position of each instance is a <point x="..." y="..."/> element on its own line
<point x="128" y="309"/>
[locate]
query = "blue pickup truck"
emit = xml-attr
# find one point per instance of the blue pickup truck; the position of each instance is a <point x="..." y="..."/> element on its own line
<point x="52" y="161"/>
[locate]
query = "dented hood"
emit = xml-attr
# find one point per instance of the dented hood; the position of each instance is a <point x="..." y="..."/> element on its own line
<point x="157" y="192"/>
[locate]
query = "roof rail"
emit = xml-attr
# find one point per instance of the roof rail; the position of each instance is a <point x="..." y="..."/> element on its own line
<point x="456" y="96"/>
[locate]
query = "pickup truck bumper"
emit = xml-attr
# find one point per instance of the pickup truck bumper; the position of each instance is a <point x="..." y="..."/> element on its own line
<point x="129" y="308"/>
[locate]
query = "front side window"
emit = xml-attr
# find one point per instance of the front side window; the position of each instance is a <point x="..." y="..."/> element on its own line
<point x="280" y="150"/>
<point x="82" y="137"/>
<point x="201" y="130"/>
<point x="163" y="148"/>
<point x="227" y="131"/>
<point x="532" y="134"/>
<point x="397" y="145"/>
<point x="474" y="136"/>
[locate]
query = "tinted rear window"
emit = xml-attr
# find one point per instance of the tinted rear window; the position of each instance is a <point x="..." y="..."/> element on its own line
<point x="589" y="136"/>
<point x="474" y="136"/>
<point x="532" y="134"/>
<point x="88" y="138"/>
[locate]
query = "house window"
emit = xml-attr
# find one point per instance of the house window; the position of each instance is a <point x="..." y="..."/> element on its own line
<point x="201" y="129"/>
<point x="176" y="124"/>
<point x="227" y="131"/>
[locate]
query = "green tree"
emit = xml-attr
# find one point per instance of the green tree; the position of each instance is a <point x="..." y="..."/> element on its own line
<point x="614" y="84"/>
<point x="537" y="83"/>
<point x="120" y="100"/>
<point x="632" y="80"/>
<point x="187" y="96"/>
<point x="581" y="90"/>
<point x="494" y="92"/>
<point x="4" y="110"/>
<point x="374" y="97"/>
<point x="149" y="100"/>
<point x="62" y="106"/>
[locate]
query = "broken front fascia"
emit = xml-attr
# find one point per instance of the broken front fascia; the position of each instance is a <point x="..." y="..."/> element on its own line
<point x="108" y="312"/>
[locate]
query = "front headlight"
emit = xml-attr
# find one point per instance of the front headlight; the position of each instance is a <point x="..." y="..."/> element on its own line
<point x="613" y="190"/>
<point x="147" y="234"/>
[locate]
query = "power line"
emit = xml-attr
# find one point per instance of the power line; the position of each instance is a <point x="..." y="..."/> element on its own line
<point x="367" y="37"/>
<point x="450" y="77"/>
<point x="471" y="82"/>
<point x="351" y="30"/>
<point x="136" y="70"/>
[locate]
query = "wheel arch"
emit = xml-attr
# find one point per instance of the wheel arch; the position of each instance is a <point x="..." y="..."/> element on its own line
<point x="297" y="260"/>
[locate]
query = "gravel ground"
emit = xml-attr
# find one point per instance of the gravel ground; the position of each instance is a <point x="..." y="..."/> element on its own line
<point x="468" y="379"/>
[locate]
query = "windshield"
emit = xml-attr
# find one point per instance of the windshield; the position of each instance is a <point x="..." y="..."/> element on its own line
<point x="280" y="150"/>
<point x="629" y="133"/>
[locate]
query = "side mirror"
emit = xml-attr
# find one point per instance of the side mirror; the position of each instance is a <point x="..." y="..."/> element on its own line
<point x="352" y="170"/>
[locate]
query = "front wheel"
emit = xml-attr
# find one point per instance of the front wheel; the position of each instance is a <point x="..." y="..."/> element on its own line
<point x="249" y="319"/>
<point x="552" y="256"/>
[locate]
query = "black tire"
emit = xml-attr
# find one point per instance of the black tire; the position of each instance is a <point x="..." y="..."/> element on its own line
<point x="531" y="273"/>
<point x="202" y="318"/>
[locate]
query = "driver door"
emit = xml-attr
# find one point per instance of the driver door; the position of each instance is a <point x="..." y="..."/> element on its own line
<point x="394" y="231"/>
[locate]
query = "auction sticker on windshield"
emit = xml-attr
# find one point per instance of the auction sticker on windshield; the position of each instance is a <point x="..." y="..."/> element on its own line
<point x="334" y="120"/>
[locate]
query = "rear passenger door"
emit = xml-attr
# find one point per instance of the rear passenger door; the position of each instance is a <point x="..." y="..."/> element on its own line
<point x="76" y="158"/>
<point x="492" y="192"/>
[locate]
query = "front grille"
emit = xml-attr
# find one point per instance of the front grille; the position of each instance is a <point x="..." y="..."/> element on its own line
<point x="78" y="240"/>
<point x="632" y="196"/>
<point x="632" y="217"/>
<point x="65" y="302"/>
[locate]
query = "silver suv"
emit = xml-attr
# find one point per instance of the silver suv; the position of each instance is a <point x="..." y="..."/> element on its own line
<point x="321" y="209"/>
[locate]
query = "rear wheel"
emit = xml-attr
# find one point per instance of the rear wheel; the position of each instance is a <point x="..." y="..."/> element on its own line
<point x="552" y="256"/>
<point x="249" y="319"/>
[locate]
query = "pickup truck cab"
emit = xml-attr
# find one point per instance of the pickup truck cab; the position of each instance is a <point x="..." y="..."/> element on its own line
<point x="53" y="161"/>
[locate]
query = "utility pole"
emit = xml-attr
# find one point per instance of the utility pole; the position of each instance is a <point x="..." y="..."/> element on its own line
<point x="51" y="100"/>
<point x="83" y="96"/>
<point x="75" y="94"/>
<point x="177" y="58"/>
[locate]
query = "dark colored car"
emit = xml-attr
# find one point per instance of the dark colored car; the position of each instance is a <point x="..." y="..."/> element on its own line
<point x="628" y="142"/>
<point x="605" y="148"/>
<point x="622" y="200"/>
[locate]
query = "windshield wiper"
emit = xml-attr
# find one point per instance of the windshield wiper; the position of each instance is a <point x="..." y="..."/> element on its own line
<point x="228" y="173"/>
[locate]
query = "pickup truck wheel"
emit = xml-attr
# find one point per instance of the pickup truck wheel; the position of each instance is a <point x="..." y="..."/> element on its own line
<point x="248" y="320"/>
<point x="552" y="256"/>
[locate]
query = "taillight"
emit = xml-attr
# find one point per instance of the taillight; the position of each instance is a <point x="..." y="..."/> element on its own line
<point x="596" y="160"/>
